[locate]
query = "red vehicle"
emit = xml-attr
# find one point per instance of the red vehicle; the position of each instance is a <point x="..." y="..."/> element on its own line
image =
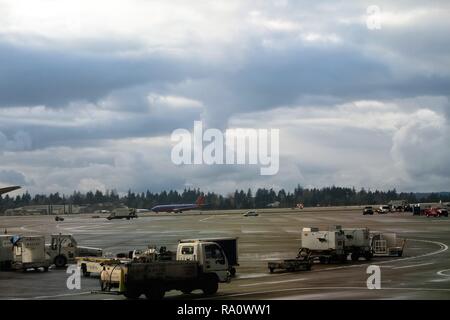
<point x="436" y="212"/>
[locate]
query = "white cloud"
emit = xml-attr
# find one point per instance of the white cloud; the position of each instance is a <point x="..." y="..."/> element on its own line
<point x="90" y="91"/>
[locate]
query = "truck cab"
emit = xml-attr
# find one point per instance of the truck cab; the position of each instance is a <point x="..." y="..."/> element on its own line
<point x="209" y="256"/>
<point x="63" y="249"/>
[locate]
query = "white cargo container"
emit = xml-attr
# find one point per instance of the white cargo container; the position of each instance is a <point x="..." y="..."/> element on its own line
<point x="6" y="252"/>
<point x="29" y="252"/>
<point x="358" y="243"/>
<point x="327" y="246"/>
<point x="387" y="244"/>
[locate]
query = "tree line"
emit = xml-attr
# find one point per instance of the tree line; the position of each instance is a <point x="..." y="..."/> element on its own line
<point x="240" y="199"/>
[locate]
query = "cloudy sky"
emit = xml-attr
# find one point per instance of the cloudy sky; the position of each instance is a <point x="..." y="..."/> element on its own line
<point x="90" y="92"/>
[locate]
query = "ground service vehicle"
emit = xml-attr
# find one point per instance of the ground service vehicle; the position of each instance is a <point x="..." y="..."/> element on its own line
<point x="436" y="212"/>
<point x="384" y="209"/>
<point x="387" y="245"/>
<point x="94" y="265"/>
<point x="229" y="247"/>
<point x="251" y="214"/>
<point x="368" y="210"/>
<point x="198" y="265"/>
<point x="326" y="246"/>
<point x="63" y="249"/>
<point x="29" y="252"/>
<point x="122" y="213"/>
<point x="400" y="206"/>
<point x="6" y="252"/>
<point x="358" y="243"/>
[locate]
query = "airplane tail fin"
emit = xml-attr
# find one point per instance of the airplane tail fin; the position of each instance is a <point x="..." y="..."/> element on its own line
<point x="200" y="201"/>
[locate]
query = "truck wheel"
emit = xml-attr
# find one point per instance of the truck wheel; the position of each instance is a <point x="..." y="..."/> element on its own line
<point x="210" y="286"/>
<point x="368" y="256"/>
<point x="186" y="290"/>
<point x="155" y="293"/>
<point x="132" y="294"/>
<point x="45" y="269"/>
<point x="355" y="256"/>
<point x="233" y="272"/>
<point x="271" y="270"/>
<point x="60" y="261"/>
<point x="84" y="271"/>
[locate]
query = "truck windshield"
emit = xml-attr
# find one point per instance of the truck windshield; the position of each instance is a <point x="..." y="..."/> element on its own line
<point x="212" y="251"/>
<point x="187" y="250"/>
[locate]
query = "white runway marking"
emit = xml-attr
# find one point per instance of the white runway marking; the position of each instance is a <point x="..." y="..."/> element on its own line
<point x="271" y="282"/>
<point x="443" y="273"/>
<point x="414" y="265"/>
<point x="55" y="296"/>
<point x="328" y="288"/>
<point x="202" y="220"/>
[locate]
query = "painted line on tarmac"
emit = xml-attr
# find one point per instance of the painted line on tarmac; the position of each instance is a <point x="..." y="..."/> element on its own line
<point x="271" y="282"/>
<point x="328" y="288"/>
<point x="443" y="273"/>
<point x="202" y="220"/>
<point x="413" y="265"/>
<point x="54" y="296"/>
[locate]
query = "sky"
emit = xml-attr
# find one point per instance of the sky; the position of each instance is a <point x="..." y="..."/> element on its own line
<point x="91" y="91"/>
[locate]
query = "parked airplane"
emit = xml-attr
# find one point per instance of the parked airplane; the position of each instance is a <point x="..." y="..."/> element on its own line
<point x="178" y="208"/>
<point x="8" y="189"/>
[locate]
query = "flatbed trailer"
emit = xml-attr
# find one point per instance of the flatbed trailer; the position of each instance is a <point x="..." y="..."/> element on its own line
<point x="93" y="266"/>
<point x="290" y="265"/>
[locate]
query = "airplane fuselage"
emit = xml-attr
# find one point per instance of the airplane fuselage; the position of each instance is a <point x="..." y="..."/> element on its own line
<point x="174" y="207"/>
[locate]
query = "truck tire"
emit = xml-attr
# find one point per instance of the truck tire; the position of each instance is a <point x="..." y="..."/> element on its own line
<point x="355" y="256"/>
<point x="210" y="286"/>
<point x="155" y="293"/>
<point x="132" y="294"/>
<point x="84" y="271"/>
<point x="368" y="256"/>
<point x="271" y="270"/>
<point x="233" y="271"/>
<point x="187" y="290"/>
<point x="45" y="269"/>
<point x="60" y="261"/>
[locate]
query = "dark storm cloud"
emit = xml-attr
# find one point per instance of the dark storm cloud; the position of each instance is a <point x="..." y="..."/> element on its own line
<point x="12" y="177"/>
<point x="30" y="76"/>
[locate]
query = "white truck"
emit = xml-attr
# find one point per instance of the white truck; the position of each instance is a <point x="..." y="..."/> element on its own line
<point x="6" y="252"/>
<point x="29" y="253"/>
<point x="358" y="243"/>
<point x="122" y="213"/>
<point x="229" y="246"/>
<point x="325" y="246"/>
<point x="198" y="265"/>
<point x="63" y="249"/>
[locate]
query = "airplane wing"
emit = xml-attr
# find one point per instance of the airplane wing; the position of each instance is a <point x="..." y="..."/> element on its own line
<point x="8" y="189"/>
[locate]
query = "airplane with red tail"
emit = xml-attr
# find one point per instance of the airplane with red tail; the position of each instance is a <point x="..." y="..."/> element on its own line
<point x="178" y="208"/>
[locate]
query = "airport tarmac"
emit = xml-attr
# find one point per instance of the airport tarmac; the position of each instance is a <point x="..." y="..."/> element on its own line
<point x="422" y="273"/>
